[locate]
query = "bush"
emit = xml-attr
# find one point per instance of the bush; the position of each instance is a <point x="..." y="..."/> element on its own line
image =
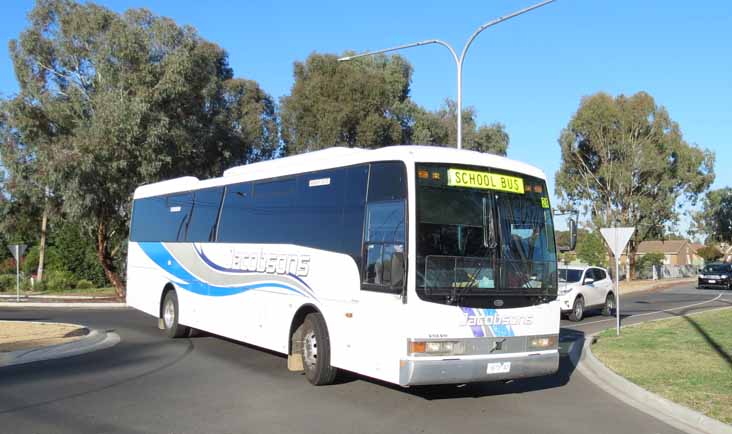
<point x="591" y="249"/>
<point x="38" y="286"/>
<point x="59" y="280"/>
<point x="84" y="284"/>
<point x="78" y="253"/>
<point x="7" y="282"/>
<point x="7" y="266"/>
<point x="644" y="264"/>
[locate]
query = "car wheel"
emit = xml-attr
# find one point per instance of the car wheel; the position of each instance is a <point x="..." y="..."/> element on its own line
<point x="607" y="310"/>
<point x="578" y="309"/>
<point x="316" y="351"/>
<point x="170" y="317"/>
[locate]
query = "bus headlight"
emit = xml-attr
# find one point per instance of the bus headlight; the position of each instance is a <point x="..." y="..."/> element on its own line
<point x="543" y="342"/>
<point x="436" y="348"/>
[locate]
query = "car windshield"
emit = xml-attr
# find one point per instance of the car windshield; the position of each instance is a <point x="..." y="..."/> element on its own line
<point x="479" y="241"/>
<point x="569" y="276"/>
<point x="717" y="268"/>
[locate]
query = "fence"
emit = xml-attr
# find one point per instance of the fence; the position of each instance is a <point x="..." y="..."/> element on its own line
<point x="668" y="272"/>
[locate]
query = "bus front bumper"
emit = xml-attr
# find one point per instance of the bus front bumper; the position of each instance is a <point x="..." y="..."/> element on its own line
<point x="415" y="372"/>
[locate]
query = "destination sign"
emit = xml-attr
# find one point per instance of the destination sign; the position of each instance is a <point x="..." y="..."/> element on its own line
<point x="484" y="180"/>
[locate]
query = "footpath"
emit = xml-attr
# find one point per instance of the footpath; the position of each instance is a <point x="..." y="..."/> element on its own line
<point x="652" y="285"/>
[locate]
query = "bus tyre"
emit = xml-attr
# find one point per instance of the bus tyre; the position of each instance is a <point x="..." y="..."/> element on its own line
<point x="607" y="310"/>
<point x="578" y="309"/>
<point x="316" y="351"/>
<point x="170" y="317"/>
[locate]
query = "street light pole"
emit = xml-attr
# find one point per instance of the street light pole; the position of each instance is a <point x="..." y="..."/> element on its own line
<point x="458" y="60"/>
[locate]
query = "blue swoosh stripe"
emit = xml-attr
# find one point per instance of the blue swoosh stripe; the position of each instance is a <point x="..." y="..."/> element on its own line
<point x="499" y="330"/>
<point x="218" y="267"/>
<point x="163" y="259"/>
<point x="477" y="330"/>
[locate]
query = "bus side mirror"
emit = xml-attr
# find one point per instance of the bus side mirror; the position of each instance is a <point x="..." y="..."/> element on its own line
<point x="572" y="234"/>
<point x="572" y="223"/>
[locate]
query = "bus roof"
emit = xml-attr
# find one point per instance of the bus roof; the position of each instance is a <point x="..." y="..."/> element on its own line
<point x="337" y="157"/>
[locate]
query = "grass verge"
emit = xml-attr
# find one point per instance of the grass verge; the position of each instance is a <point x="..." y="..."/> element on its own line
<point x="687" y="360"/>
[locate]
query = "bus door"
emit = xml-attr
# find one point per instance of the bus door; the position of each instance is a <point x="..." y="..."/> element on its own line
<point x="379" y="306"/>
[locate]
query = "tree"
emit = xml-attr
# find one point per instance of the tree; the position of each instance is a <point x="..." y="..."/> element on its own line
<point x="715" y="218"/>
<point x="625" y="161"/>
<point x="710" y="253"/>
<point x="440" y="128"/>
<point x="365" y="103"/>
<point x="345" y="104"/>
<point x="108" y="102"/>
<point x="591" y="248"/>
<point x="26" y="184"/>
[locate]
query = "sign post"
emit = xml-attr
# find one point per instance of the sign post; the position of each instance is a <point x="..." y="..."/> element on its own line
<point x="17" y="250"/>
<point x="617" y="239"/>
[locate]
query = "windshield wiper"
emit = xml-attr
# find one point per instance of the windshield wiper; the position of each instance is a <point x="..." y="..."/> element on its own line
<point x="489" y="228"/>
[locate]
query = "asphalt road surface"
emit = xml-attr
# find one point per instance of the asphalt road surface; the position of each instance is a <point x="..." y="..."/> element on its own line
<point x="151" y="384"/>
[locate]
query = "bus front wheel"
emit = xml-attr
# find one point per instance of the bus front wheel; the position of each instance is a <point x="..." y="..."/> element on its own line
<point x="316" y="351"/>
<point x="170" y="314"/>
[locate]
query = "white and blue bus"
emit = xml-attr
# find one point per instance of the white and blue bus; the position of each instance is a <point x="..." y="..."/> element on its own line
<point x="409" y="264"/>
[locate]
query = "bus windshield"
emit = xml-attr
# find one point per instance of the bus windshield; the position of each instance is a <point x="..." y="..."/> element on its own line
<point x="482" y="233"/>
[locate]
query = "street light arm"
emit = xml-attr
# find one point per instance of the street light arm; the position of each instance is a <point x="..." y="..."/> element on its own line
<point x="458" y="60"/>
<point x="402" y="47"/>
<point x="498" y="21"/>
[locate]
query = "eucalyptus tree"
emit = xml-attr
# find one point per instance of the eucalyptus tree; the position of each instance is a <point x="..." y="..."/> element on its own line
<point x="626" y="162"/>
<point x="345" y="104"/>
<point x="366" y="103"/>
<point x="715" y="217"/>
<point x="439" y="128"/>
<point x="110" y="101"/>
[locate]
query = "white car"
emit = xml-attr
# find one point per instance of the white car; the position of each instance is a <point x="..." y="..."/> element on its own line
<point x="585" y="288"/>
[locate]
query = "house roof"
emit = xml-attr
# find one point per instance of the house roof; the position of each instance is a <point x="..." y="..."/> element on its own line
<point x="666" y="247"/>
<point x="696" y="246"/>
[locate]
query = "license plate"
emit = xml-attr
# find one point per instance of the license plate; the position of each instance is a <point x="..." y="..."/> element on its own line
<point x="498" y="368"/>
<point x="712" y="281"/>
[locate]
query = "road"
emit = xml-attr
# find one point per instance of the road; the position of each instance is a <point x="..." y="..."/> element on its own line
<point x="150" y="384"/>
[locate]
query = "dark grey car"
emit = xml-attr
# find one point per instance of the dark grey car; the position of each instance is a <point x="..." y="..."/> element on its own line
<point x="716" y="275"/>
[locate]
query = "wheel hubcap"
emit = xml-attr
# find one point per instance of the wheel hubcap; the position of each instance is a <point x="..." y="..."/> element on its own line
<point x="578" y="310"/>
<point x="310" y="349"/>
<point x="169" y="314"/>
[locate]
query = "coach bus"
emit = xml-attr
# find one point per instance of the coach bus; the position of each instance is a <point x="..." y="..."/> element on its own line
<point x="409" y="264"/>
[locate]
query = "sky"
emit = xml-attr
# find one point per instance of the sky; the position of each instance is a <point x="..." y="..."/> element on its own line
<point x="528" y="73"/>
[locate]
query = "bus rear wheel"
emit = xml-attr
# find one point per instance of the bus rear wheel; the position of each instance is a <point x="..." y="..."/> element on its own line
<point x="316" y="351"/>
<point x="170" y="314"/>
